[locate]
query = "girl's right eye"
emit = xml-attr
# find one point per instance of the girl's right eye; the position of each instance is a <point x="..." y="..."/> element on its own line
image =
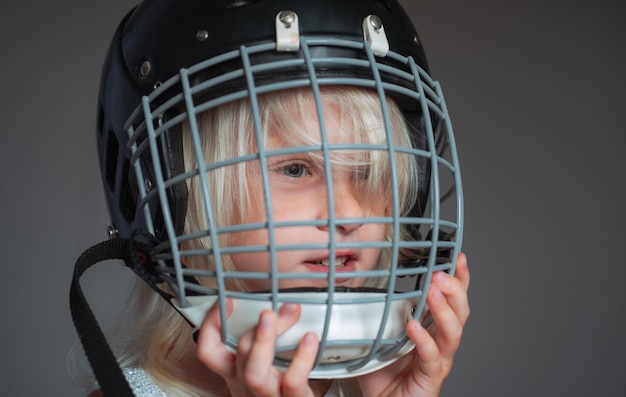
<point x="294" y="170"/>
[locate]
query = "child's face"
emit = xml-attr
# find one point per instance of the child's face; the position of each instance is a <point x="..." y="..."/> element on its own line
<point x="298" y="191"/>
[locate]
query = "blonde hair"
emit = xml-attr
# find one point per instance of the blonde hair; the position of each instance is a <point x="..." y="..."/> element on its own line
<point x="162" y="341"/>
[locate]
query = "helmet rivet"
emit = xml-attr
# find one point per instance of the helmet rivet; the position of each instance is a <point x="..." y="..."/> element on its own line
<point x="145" y="68"/>
<point x="148" y="184"/>
<point x="157" y="84"/>
<point x="413" y="310"/>
<point x="376" y="22"/>
<point x="287" y="17"/>
<point x="202" y="35"/>
<point x="112" y="232"/>
<point x="416" y="39"/>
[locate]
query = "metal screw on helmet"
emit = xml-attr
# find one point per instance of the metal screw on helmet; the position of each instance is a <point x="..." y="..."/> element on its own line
<point x="145" y="68"/>
<point x="202" y="35"/>
<point x="287" y="18"/>
<point x="376" y="22"/>
<point x="148" y="184"/>
<point x="287" y="31"/>
<point x="112" y="232"/>
<point x="374" y="34"/>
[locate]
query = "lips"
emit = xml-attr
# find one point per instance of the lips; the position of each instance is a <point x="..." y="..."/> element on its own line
<point x="342" y="263"/>
<point x="339" y="262"/>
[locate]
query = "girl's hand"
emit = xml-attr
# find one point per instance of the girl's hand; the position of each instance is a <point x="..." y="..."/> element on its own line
<point x="422" y="372"/>
<point x="250" y="372"/>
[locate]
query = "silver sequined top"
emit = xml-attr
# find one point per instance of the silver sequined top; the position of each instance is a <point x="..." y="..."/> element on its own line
<point x="143" y="386"/>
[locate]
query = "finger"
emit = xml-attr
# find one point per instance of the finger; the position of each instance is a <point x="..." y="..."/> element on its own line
<point x="462" y="271"/>
<point x="288" y="315"/>
<point x="244" y="344"/>
<point x="455" y="293"/>
<point x="296" y="379"/>
<point x="429" y="365"/>
<point x="210" y="349"/>
<point x="258" y="372"/>
<point x="448" y="329"/>
<point x="256" y="349"/>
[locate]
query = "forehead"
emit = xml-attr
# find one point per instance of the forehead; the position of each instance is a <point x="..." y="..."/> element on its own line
<point x="340" y="116"/>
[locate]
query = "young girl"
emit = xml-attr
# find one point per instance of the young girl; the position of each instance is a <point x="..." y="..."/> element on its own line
<point x="290" y="179"/>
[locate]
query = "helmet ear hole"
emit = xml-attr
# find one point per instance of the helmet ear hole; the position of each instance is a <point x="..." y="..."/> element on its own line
<point x="111" y="159"/>
<point x="130" y="192"/>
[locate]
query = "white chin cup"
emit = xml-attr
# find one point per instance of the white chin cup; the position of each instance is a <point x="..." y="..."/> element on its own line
<point x="354" y="325"/>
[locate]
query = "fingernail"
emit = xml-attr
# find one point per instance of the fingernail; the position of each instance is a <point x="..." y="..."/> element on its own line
<point x="230" y="304"/>
<point x="289" y="308"/>
<point x="266" y="319"/>
<point x="416" y="325"/>
<point x="461" y="260"/>
<point x="442" y="277"/>
<point x="310" y="340"/>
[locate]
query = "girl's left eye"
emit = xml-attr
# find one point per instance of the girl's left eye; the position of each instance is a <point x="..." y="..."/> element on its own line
<point x="294" y="170"/>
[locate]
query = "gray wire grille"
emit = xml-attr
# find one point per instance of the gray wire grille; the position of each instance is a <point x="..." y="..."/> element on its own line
<point x="443" y="214"/>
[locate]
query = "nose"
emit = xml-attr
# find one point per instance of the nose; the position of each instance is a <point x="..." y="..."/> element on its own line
<point x="349" y="212"/>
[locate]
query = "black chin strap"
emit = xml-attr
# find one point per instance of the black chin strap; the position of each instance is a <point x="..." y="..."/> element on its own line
<point x="135" y="255"/>
<point x="105" y="367"/>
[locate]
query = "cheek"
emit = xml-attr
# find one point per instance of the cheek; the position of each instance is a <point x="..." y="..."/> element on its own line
<point x="377" y="233"/>
<point x="249" y="261"/>
<point x="381" y="232"/>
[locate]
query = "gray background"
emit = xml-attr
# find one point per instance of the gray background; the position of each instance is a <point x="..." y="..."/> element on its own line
<point x="536" y="92"/>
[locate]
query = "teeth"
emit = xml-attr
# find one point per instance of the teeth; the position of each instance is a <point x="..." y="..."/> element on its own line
<point x="339" y="262"/>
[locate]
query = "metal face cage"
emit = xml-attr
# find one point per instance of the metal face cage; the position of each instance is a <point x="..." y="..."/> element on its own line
<point x="360" y="324"/>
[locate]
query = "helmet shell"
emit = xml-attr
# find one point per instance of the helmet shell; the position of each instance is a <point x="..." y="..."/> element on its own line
<point x="159" y="37"/>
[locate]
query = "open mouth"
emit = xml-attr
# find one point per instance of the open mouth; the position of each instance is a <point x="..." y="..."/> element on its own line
<point x="345" y="263"/>
<point x="338" y="262"/>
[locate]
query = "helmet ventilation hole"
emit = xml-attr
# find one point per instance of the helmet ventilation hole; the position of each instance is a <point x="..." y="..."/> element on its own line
<point x="112" y="151"/>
